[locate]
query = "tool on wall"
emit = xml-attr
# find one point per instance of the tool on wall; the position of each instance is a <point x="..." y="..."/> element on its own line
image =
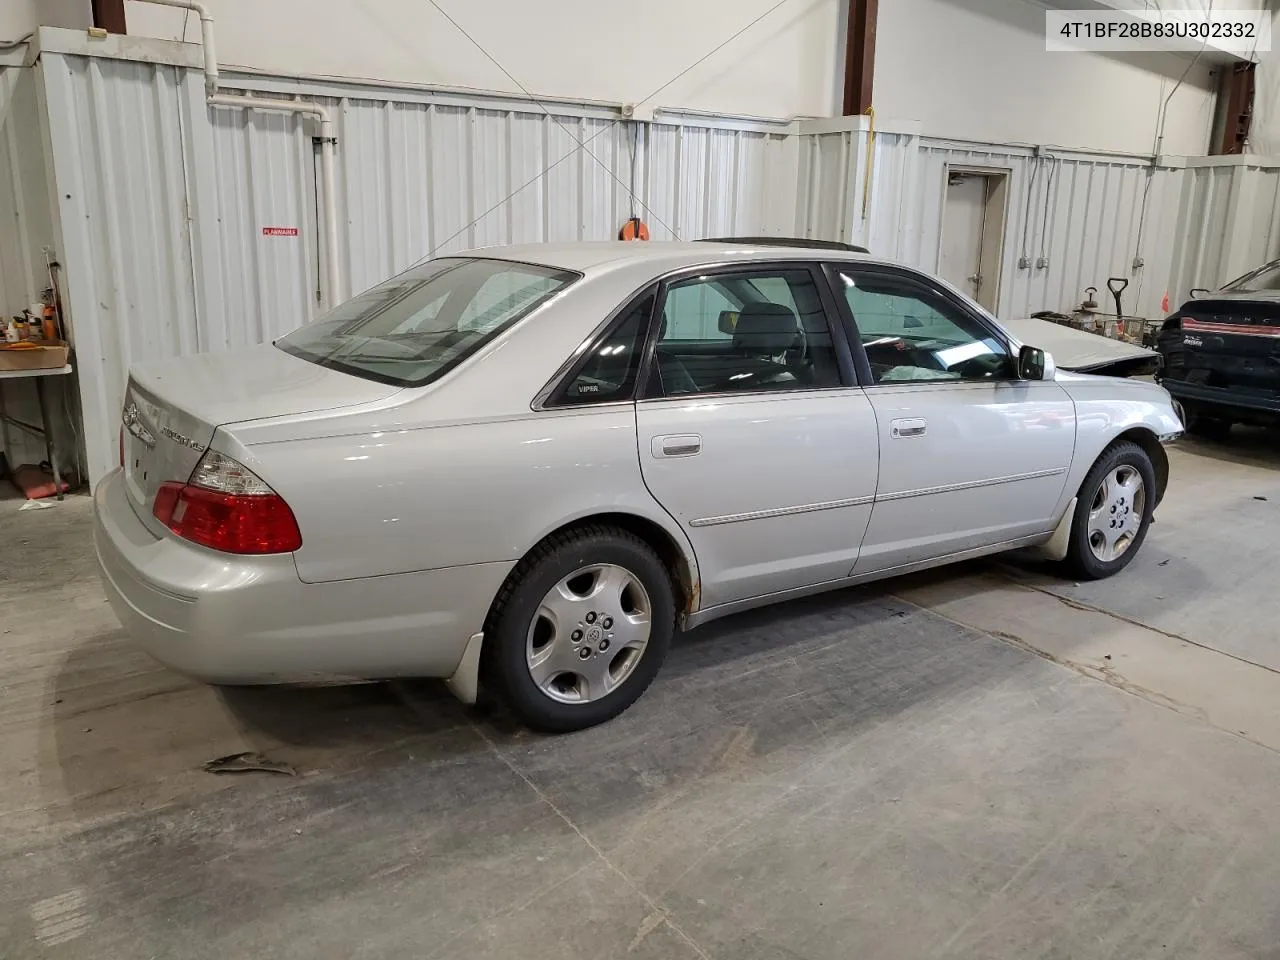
<point x="1116" y="285"/>
<point x="1090" y="301"/>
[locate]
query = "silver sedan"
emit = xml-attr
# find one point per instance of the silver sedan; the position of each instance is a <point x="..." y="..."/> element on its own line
<point x="527" y="467"/>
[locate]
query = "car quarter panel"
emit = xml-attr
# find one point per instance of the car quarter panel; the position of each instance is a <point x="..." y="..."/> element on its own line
<point x="419" y="498"/>
<point x="251" y="620"/>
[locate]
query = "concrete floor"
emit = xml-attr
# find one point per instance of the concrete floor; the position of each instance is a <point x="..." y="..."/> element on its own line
<point x="983" y="762"/>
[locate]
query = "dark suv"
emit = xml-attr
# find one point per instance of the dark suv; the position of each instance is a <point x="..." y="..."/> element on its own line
<point x="1220" y="354"/>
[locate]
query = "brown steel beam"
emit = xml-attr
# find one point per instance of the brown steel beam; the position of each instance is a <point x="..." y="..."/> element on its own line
<point x="859" y="55"/>
<point x="109" y="15"/>
<point x="1238" y="86"/>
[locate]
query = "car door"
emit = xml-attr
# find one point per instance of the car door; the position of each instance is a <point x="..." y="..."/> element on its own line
<point x="970" y="456"/>
<point x="752" y="433"/>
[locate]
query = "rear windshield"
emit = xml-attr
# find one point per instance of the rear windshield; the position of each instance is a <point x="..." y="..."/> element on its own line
<point x="1264" y="278"/>
<point x="416" y="326"/>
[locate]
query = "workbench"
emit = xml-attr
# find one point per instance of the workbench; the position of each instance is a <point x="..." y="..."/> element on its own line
<point x="45" y="429"/>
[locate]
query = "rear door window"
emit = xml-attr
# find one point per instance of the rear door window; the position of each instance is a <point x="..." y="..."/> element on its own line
<point x="609" y="370"/>
<point x="745" y="331"/>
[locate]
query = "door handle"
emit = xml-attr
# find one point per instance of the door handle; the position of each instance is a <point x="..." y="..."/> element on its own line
<point x="685" y="445"/>
<point x="904" y="429"/>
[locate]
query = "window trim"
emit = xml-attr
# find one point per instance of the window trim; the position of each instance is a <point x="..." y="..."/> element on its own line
<point x="832" y="269"/>
<point x="839" y="338"/>
<point x="551" y="396"/>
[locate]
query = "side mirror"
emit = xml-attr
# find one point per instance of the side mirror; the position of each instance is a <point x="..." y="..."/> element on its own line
<point x="728" y="320"/>
<point x="1035" y="364"/>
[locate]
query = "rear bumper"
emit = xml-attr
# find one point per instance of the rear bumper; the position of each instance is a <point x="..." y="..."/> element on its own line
<point x="1220" y="396"/>
<point x="226" y="619"/>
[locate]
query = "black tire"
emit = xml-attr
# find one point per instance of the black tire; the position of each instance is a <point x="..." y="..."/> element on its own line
<point x="506" y="636"/>
<point x="1081" y="562"/>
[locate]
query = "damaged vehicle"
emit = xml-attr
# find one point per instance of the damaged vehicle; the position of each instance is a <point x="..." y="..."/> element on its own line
<point x="1083" y="352"/>
<point x="526" y="468"/>
<point x="1220" y="354"/>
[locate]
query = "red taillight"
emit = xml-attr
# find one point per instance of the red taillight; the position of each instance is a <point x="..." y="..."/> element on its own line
<point x="230" y="520"/>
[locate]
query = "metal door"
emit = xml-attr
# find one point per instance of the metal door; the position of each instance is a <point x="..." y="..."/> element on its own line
<point x="962" y="226"/>
<point x="965" y="465"/>
<point x="773" y="483"/>
<point x="970" y="456"/>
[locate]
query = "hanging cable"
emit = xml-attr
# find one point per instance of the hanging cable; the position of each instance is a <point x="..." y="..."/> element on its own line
<point x="1026" y="211"/>
<point x="556" y="120"/>
<point x="713" y="51"/>
<point x="603" y="130"/>
<point x="1159" y="140"/>
<point x="1044" y="219"/>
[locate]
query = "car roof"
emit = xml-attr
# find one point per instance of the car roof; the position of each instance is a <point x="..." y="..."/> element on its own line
<point x="664" y="255"/>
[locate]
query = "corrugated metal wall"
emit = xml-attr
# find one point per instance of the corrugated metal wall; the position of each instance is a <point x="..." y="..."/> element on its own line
<point x="161" y="202"/>
<point x="26" y="231"/>
<point x="166" y="200"/>
<point x="1080" y="212"/>
<point x="420" y="178"/>
<point x="1228" y="222"/>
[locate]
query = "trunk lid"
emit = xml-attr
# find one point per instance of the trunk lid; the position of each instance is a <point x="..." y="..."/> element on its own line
<point x="172" y="408"/>
<point x="1227" y="342"/>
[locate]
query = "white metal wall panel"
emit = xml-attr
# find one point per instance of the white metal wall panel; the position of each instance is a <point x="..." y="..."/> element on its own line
<point x="1228" y="223"/>
<point x="193" y="228"/>
<point x="26" y="230"/>
<point x="118" y="155"/>
<point x="1080" y="212"/>
<point x="25" y="221"/>
<point x="1260" y="227"/>
<point x="177" y="222"/>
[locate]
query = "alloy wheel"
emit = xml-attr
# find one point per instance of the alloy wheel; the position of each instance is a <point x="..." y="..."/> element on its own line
<point x="1117" y="512"/>
<point x="589" y="633"/>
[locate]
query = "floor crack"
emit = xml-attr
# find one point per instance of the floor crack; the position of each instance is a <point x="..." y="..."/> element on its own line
<point x="656" y="909"/>
<point x="1013" y="576"/>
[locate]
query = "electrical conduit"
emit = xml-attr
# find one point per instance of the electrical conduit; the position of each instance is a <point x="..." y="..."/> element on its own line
<point x="328" y="142"/>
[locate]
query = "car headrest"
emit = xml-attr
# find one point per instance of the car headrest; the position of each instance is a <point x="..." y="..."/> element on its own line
<point x="766" y="327"/>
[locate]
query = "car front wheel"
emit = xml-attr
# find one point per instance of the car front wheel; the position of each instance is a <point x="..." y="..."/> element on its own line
<point x="1113" y="512"/>
<point x="580" y="628"/>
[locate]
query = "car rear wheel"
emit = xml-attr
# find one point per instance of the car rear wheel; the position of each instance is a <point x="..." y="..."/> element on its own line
<point x="580" y="629"/>
<point x="1113" y="512"/>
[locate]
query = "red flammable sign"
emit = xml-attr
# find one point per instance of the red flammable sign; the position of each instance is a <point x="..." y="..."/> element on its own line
<point x="279" y="231"/>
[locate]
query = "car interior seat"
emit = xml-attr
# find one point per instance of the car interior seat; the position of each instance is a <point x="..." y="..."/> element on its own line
<point x="770" y="333"/>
